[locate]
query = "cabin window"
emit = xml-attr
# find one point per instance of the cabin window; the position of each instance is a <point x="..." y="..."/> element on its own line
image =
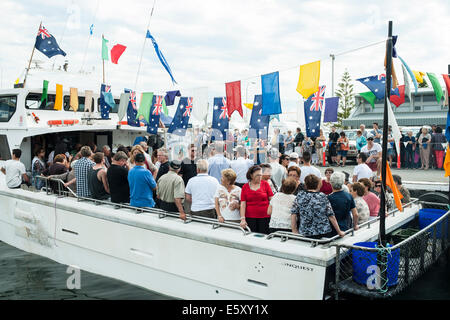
<point x="429" y="98"/>
<point x="33" y="101"/>
<point x="7" y="107"/>
<point x="81" y="101"/>
<point x="115" y="109"/>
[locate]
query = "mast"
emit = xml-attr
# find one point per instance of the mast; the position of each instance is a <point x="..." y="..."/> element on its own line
<point x="31" y="58"/>
<point x="382" y="212"/>
<point x="103" y="61"/>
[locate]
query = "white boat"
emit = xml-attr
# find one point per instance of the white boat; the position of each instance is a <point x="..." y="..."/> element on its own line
<point x="153" y="249"/>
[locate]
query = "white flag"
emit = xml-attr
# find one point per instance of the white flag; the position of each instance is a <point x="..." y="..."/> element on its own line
<point x="200" y="109"/>
<point x="393" y="123"/>
<point x="406" y="81"/>
<point x="88" y="101"/>
<point x="123" y="105"/>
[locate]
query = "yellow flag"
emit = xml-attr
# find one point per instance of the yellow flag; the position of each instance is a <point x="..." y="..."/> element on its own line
<point x="73" y="99"/>
<point x="249" y="105"/>
<point x="17" y="81"/>
<point x="419" y="75"/>
<point x="59" y="97"/>
<point x="391" y="184"/>
<point x="447" y="162"/>
<point x="308" y="81"/>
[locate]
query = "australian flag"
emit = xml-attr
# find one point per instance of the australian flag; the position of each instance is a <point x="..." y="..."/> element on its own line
<point x="181" y="119"/>
<point x="377" y="85"/>
<point x="106" y="101"/>
<point x="155" y="114"/>
<point x="220" y="119"/>
<point x="46" y="43"/>
<point x="313" y="112"/>
<point x="259" y="124"/>
<point x="132" y="109"/>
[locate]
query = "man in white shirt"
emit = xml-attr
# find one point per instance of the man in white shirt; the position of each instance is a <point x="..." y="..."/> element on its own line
<point x="15" y="171"/>
<point x="362" y="170"/>
<point x="373" y="152"/>
<point x="279" y="172"/>
<point x="200" y="192"/>
<point x="307" y="168"/>
<point x="240" y="166"/>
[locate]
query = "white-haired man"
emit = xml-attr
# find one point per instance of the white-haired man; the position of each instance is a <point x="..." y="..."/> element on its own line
<point x="200" y="192"/>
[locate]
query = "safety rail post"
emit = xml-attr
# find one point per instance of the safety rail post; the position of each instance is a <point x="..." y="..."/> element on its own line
<point x="338" y="272"/>
<point x="433" y="251"/>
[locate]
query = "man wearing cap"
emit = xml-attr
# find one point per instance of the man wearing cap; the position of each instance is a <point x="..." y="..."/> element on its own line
<point x="279" y="172"/>
<point x="294" y="160"/>
<point x="373" y="152"/>
<point x="241" y="166"/>
<point x="170" y="190"/>
<point x="141" y="183"/>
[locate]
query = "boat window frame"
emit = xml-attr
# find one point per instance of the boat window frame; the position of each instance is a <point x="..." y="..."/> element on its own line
<point x="10" y="113"/>
<point x="50" y="99"/>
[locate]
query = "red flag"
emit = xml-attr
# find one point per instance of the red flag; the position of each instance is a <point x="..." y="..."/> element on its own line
<point x="233" y="90"/>
<point x="396" y="99"/>
<point x="447" y="82"/>
<point x="116" y="52"/>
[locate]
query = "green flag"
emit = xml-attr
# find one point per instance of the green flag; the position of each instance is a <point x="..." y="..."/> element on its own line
<point x="370" y="97"/>
<point x="104" y="49"/>
<point x="436" y="86"/>
<point x="145" y="106"/>
<point x="44" y="92"/>
<point x="165" y="109"/>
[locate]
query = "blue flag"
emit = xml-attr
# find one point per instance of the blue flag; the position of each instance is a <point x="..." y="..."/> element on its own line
<point x="447" y="127"/>
<point x="270" y="94"/>
<point x="155" y="114"/>
<point x="259" y="124"/>
<point x="160" y="56"/>
<point x="46" y="43"/>
<point x="91" y="29"/>
<point x="220" y="119"/>
<point x="313" y="112"/>
<point x="105" y="102"/>
<point x="180" y="120"/>
<point x="377" y="85"/>
<point x="170" y="97"/>
<point x="411" y="74"/>
<point x="331" y="109"/>
<point x="132" y="109"/>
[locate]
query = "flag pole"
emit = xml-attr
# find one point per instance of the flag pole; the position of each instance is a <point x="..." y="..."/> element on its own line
<point x="143" y="47"/>
<point x="382" y="212"/>
<point x="31" y="58"/>
<point x="103" y="61"/>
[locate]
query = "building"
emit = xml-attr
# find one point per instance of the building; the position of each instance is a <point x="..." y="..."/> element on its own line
<point x="422" y="110"/>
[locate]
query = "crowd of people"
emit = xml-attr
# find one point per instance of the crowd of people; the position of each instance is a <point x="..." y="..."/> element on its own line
<point x="286" y="193"/>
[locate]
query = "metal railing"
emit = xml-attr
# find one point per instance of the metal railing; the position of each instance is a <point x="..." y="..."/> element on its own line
<point x="403" y="262"/>
<point x="161" y="213"/>
<point x="284" y="235"/>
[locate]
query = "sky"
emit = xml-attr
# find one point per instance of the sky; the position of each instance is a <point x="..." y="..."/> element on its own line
<point x="209" y="43"/>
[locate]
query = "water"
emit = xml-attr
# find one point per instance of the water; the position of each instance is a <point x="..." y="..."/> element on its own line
<point x="28" y="276"/>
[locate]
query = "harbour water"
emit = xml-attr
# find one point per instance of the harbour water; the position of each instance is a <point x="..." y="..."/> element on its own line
<point x="26" y="276"/>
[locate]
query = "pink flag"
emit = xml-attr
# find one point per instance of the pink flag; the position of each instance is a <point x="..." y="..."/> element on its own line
<point x="233" y="90"/>
<point x="116" y="52"/>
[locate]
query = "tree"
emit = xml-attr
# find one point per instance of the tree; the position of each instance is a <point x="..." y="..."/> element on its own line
<point x="346" y="99"/>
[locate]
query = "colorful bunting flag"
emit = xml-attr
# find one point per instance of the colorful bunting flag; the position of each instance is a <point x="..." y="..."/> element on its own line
<point x="447" y="161"/>
<point x="161" y="57"/>
<point x="73" y="105"/>
<point x="411" y="74"/>
<point x="406" y="84"/>
<point x="308" y="80"/>
<point x="396" y="134"/>
<point x="123" y="105"/>
<point x="200" y="95"/>
<point x="259" y="123"/>
<point x="116" y="52"/>
<point x="331" y="109"/>
<point x="377" y="85"/>
<point x="59" y="97"/>
<point x="104" y="49"/>
<point x="105" y="100"/>
<point x="44" y="92"/>
<point x="233" y="92"/>
<point x="88" y="100"/>
<point x="47" y="44"/>
<point x="436" y="86"/>
<point x="170" y="97"/>
<point x="391" y="184"/>
<point x="220" y="119"/>
<point x="248" y="105"/>
<point x="418" y="75"/>
<point x="370" y="97"/>
<point x="146" y="104"/>
<point x="180" y="120"/>
<point x="156" y="110"/>
<point x="399" y="100"/>
<point x="271" y="103"/>
<point x="132" y="109"/>
<point x="313" y="112"/>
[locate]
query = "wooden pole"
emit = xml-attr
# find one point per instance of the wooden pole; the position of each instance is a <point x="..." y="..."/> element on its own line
<point x="31" y="58"/>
